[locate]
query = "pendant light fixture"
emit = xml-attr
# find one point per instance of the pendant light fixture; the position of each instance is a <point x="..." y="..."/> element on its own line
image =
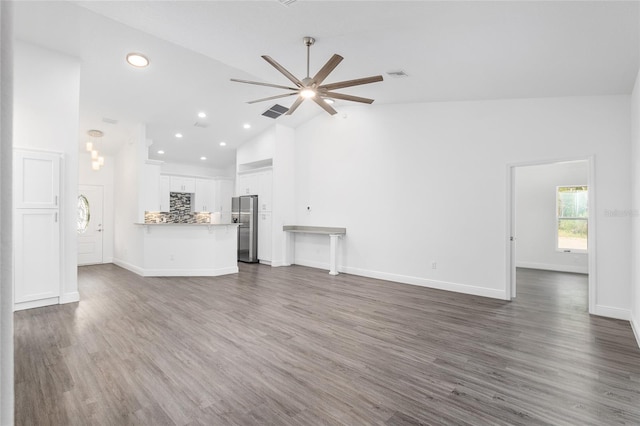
<point x="97" y="161"/>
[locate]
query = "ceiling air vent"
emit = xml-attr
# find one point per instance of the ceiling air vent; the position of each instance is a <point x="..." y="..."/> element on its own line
<point x="201" y="125"/>
<point x="397" y="74"/>
<point x="109" y="120"/>
<point x="275" y="111"/>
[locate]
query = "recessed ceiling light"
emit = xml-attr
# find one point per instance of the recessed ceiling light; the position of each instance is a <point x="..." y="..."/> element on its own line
<point x="161" y="152"/>
<point x="203" y="158"/>
<point x="202" y="115"/>
<point x="223" y="144"/>
<point x="137" y="60"/>
<point x="178" y="135"/>
<point x="246" y="125"/>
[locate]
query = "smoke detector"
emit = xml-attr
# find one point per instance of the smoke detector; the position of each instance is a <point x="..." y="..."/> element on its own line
<point x="397" y="74"/>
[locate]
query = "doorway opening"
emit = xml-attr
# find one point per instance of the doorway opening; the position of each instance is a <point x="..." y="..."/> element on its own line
<point x="549" y="224"/>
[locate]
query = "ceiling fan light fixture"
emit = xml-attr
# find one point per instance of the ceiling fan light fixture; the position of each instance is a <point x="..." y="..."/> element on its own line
<point x="329" y="101"/>
<point x="307" y="93"/>
<point x="312" y="87"/>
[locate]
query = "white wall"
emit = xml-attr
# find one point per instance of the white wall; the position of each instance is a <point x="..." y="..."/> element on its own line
<point x="283" y="190"/>
<point x="421" y="183"/>
<point x="105" y="178"/>
<point x="635" y="210"/>
<point x="260" y="148"/>
<point x="6" y="156"/>
<point x="536" y="222"/>
<point x="198" y="171"/>
<point x="46" y="110"/>
<point x="128" y="242"/>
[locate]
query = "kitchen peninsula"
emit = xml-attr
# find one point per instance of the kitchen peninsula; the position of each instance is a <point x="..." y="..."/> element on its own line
<point x="189" y="249"/>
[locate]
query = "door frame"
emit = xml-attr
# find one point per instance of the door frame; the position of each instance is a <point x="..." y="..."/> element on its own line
<point x="80" y="186"/>
<point x="510" y="288"/>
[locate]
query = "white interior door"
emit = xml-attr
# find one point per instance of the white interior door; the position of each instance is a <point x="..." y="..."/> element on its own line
<point x="90" y="229"/>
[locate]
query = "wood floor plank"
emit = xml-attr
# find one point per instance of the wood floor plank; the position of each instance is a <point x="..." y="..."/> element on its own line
<point x="296" y="346"/>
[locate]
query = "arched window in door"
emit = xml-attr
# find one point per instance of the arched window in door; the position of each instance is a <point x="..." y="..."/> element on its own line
<point x="84" y="214"/>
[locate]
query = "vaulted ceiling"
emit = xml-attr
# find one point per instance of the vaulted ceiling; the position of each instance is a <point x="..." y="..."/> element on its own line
<point x="451" y="51"/>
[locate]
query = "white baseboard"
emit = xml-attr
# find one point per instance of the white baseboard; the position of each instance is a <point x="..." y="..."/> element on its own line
<point x="405" y="279"/>
<point x="314" y="264"/>
<point x="161" y="272"/>
<point x="128" y="266"/>
<point x="577" y="269"/>
<point x="36" y="303"/>
<point x="70" y="297"/>
<point x="635" y="326"/>
<point x="189" y="272"/>
<point x="616" y="313"/>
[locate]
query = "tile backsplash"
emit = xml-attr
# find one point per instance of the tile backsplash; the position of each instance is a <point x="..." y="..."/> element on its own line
<point x="180" y="211"/>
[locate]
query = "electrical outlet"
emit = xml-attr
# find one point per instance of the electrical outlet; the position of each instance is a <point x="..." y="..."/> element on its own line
<point x="434" y="265"/>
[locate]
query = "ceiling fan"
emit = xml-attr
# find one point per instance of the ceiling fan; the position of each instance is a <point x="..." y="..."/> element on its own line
<point x="312" y="88"/>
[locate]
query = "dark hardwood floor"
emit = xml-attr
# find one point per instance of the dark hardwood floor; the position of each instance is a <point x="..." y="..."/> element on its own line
<point x="296" y="346"/>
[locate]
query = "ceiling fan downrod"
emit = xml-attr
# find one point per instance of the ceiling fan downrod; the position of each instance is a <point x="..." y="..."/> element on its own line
<point x="308" y="41"/>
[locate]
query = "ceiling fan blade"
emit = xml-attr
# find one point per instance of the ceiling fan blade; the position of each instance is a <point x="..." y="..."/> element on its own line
<point x="350" y="83"/>
<point x="295" y="105"/>
<point x="264" y="84"/>
<point x="273" y="97"/>
<point x="344" y="97"/>
<point x="325" y="106"/>
<point x="326" y="69"/>
<point x="282" y="70"/>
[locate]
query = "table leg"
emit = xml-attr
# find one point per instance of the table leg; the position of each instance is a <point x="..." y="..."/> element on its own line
<point x="333" y="260"/>
<point x="288" y="248"/>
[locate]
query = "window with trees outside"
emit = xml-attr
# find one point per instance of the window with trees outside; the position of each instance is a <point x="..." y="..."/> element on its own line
<point x="573" y="216"/>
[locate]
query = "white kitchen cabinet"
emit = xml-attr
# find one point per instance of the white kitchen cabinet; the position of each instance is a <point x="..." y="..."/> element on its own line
<point x="183" y="184"/>
<point x="247" y="184"/>
<point x="165" y="190"/>
<point x="36" y="229"/>
<point x="36" y="255"/>
<point x="257" y="183"/>
<point x="264" y="236"/>
<point x="37" y="180"/>
<point x="204" y="195"/>
<point x="265" y="190"/>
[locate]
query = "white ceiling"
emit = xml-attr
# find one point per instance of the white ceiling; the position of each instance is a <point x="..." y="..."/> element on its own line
<point x="451" y="51"/>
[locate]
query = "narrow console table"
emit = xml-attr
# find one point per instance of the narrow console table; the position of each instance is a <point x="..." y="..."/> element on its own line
<point x="333" y="233"/>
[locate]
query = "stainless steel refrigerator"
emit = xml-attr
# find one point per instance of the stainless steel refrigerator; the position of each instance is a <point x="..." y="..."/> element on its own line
<point x="244" y="210"/>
